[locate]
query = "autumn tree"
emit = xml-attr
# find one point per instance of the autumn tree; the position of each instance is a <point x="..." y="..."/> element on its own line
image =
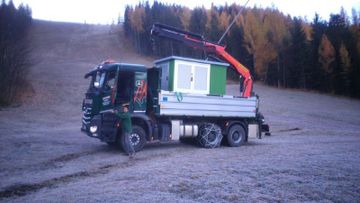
<point x="278" y="35"/>
<point x="327" y="58"/>
<point x="280" y="50"/>
<point x="345" y="64"/>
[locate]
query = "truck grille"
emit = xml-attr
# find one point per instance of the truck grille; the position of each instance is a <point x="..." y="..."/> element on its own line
<point x="86" y="115"/>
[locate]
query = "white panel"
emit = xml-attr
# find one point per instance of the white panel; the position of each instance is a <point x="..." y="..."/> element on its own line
<point x="201" y="79"/>
<point x="253" y="131"/>
<point x="183" y="76"/>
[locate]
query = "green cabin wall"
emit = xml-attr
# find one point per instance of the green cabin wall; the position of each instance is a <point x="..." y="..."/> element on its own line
<point x="217" y="79"/>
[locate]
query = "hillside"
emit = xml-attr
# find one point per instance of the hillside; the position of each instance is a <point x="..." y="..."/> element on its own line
<point x="313" y="154"/>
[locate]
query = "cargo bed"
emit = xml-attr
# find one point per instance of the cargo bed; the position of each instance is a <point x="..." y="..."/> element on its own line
<point x="188" y="104"/>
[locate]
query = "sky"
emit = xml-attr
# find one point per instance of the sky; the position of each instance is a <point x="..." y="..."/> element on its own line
<point x="108" y="11"/>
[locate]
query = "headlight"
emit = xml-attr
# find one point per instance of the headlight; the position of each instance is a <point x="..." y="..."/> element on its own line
<point x="93" y="129"/>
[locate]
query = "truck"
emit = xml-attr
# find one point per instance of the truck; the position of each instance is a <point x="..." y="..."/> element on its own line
<point x="177" y="99"/>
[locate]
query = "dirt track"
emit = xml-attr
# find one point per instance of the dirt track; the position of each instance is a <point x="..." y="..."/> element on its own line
<point x="313" y="155"/>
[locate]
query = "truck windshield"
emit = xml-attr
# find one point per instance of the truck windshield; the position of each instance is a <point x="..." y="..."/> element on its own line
<point x="103" y="80"/>
<point x="110" y="80"/>
<point x="99" y="79"/>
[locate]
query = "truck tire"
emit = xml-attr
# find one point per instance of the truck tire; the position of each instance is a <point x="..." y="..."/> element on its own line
<point x="137" y="139"/>
<point x="210" y="135"/>
<point x="236" y="135"/>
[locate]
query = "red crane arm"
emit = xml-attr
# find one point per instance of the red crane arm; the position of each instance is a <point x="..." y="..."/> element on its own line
<point x="198" y="42"/>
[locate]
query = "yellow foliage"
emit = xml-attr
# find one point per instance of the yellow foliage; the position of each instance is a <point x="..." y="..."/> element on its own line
<point x="326" y="54"/>
<point x="224" y="19"/>
<point x="256" y="29"/>
<point x="345" y="58"/>
<point x="137" y="19"/>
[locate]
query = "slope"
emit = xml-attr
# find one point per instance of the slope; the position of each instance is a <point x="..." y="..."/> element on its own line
<point x="313" y="155"/>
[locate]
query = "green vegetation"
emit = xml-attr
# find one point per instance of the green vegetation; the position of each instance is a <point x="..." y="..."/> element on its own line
<point x="14" y="50"/>
<point x="279" y="50"/>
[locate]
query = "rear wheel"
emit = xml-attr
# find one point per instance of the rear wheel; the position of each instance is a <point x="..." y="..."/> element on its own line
<point x="236" y="135"/>
<point x="136" y="137"/>
<point x="210" y="135"/>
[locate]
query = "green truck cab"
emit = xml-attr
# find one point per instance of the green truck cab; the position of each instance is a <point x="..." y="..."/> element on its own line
<point x="176" y="99"/>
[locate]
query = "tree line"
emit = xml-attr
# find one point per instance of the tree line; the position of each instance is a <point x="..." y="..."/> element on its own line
<point x="278" y="49"/>
<point x="14" y="50"/>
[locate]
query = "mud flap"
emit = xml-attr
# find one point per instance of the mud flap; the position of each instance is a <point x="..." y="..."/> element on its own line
<point x="266" y="129"/>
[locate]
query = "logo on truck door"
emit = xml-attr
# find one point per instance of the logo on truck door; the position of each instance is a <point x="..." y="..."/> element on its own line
<point x="140" y="93"/>
<point x="106" y="100"/>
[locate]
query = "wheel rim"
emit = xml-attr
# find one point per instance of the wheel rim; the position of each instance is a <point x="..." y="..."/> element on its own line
<point x="212" y="137"/>
<point x="236" y="136"/>
<point x="134" y="139"/>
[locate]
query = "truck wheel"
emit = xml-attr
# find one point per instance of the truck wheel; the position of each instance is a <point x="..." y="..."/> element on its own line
<point x="137" y="139"/>
<point x="210" y="135"/>
<point x="236" y="135"/>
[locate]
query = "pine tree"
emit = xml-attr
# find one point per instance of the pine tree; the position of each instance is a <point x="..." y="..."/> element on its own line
<point x="317" y="74"/>
<point x="14" y="50"/>
<point x="213" y="31"/>
<point x="127" y="23"/>
<point x="198" y="21"/>
<point x="298" y="70"/>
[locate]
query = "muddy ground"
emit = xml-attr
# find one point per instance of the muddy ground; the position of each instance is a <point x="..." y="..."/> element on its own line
<point x="313" y="154"/>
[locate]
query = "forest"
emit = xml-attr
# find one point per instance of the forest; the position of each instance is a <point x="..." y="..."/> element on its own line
<point x="282" y="51"/>
<point x="14" y="51"/>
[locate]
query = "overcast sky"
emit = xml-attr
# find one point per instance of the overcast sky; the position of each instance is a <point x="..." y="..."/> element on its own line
<point x="108" y="11"/>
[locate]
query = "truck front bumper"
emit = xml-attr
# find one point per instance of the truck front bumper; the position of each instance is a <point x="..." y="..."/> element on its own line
<point x="97" y="127"/>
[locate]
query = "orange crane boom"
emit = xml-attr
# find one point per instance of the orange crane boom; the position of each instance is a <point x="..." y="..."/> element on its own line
<point x="198" y="42"/>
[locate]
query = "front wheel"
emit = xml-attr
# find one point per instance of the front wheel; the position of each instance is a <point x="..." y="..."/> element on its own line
<point x="137" y="139"/>
<point x="236" y="135"/>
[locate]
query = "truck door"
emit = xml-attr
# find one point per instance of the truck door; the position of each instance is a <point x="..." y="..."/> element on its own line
<point x="125" y="88"/>
<point x="155" y="83"/>
<point x="108" y="94"/>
